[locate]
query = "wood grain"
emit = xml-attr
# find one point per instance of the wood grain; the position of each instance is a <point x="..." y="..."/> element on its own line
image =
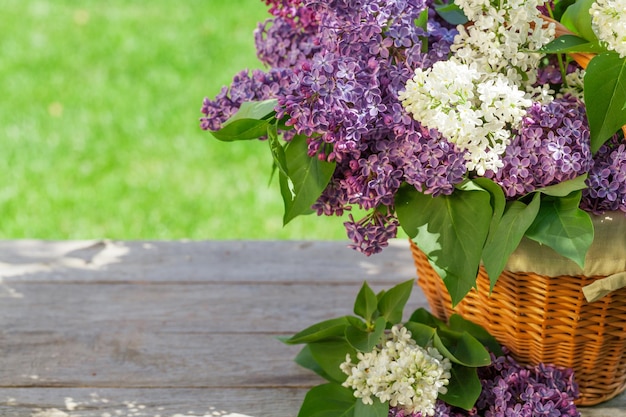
<point x="169" y="402"/>
<point x="99" y="328"/>
<point x="205" y="261"/>
<point x="97" y="402"/>
<point x="192" y="307"/>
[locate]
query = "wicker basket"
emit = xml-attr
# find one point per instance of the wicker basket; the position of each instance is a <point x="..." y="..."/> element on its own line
<point x="545" y="319"/>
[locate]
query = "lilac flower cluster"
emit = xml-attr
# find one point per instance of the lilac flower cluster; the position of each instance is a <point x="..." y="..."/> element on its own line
<point x="284" y="8"/>
<point x="369" y="234"/>
<point x="607" y="179"/>
<point x="513" y="390"/>
<point x="346" y="90"/>
<point x="336" y="68"/>
<point x="345" y="99"/>
<point x="289" y="38"/>
<point x="282" y="43"/>
<point x="551" y="146"/>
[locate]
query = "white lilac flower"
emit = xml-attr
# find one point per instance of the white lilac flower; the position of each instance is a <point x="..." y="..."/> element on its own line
<point x="478" y="97"/>
<point x="476" y="111"/>
<point x="399" y="371"/>
<point x="574" y="84"/>
<point x="498" y="38"/>
<point x="609" y="24"/>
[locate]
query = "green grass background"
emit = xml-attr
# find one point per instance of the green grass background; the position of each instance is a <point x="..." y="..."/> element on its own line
<point x="99" y="133"/>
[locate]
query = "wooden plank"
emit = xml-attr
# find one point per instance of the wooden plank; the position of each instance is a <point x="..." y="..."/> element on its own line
<point x="134" y="358"/>
<point x="266" y="307"/>
<point x="174" y="402"/>
<point x="146" y="335"/>
<point x="206" y="261"/>
<point x="99" y="402"/>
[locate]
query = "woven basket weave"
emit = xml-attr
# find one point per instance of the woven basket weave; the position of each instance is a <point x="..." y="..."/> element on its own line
<point x="545" y="319"/>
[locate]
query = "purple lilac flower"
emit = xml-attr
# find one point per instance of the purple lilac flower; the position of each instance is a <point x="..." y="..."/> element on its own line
<point x="510" y="389"/>
<point x="285" y="8"/>
<point x="372" y="233"/>
<point x="285" y="41"/>
<point x="607" y="179"/>
<point x="346" y="96"/>
<point x="417" y="156"/>
<point x="429" y="162"/>
<point x="336" y="68"/>
<point x="552" y="146"/>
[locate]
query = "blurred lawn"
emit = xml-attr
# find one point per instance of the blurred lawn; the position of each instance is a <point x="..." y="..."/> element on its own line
<point x="98" y="124"/>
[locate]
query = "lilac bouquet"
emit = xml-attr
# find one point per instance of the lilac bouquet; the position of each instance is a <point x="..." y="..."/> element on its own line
<point x="470" y="124"/>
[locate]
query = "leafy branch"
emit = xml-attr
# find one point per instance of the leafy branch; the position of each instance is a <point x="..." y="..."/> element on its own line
<point x="302" y="178"/>
<point x="327" y="344"/>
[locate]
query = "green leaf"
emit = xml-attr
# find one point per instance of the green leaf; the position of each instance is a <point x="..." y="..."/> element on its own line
<point x="461" y="348"/>
<point x="560" y="7"/>
<point x="422" y="19"/>
<point x="242" y="129"/>
<point x="255" y="110"/>
<point x="324" y="330"/>
<point x="308" y="176"/>
<point x="330" y="355"/>
<point x="564" y="227"/>
<point x="578" y="19"/>
<point x="565" y="188"/>
<point x="391" y="304"/>
<point x="498" y="199"/>
<point x="605" y="95"/>
<point x="421" y="333"/>
<point x="451" y="13"/>
<point x="498" y="202"/>
<point x="459" y="324"/>
<point x="569" y="44"/>
<point x="364" y="340"/>
<point x="305" y="359"/>
<point x="464" y="388"/>
<point x="277" y="150"/>
<point x="450" y="229"/>
<point x="357" y="322"/>
<point x="423" y="316"/>
<point x="377" y="409"/>
<point x="366" y="303"/>
<point x="507" y="235"/>
<point x="250" y="122"/>
<point x="328" y="400"/>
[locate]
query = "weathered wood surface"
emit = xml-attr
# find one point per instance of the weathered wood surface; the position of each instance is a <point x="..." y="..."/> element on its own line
<point x="98" y="328"/>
